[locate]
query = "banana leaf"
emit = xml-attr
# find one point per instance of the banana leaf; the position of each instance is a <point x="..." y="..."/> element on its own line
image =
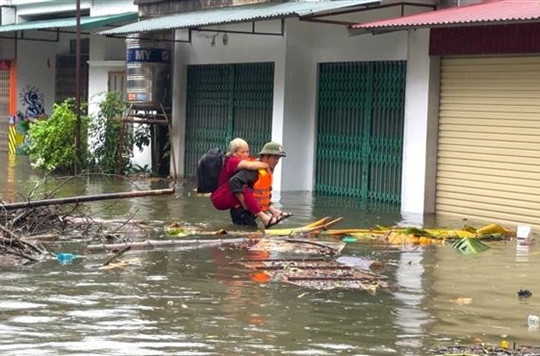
<point x="470" y="245"/>
<point x="417" y="231"/>
<point x="449" y="233"/>
<point x="491" y="229"/>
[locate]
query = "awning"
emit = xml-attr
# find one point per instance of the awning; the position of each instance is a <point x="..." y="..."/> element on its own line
<point x="87" y="22"/>
<point x="235" y="14"/>
<point x="488" y="13"/>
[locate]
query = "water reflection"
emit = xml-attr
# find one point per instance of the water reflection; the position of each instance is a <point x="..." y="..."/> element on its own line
<point x="410" y="315"/>
<point x="522" y="250"/>
<point x="476" y="296"/>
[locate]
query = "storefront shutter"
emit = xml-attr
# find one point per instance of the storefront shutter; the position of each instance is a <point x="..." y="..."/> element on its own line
<point x="360" y="132"/>
<point x="225" y="101"/>
<point x="489" y="139"/>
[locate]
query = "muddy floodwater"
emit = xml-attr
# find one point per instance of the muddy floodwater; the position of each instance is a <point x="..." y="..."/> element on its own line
<point x="201" y="301"/>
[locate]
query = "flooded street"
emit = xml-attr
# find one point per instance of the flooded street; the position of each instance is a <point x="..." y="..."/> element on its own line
<point x="201" y="301"/>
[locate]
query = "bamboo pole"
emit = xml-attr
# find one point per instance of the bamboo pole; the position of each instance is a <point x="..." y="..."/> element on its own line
<point x="84" y="198"/>
<point x="330" y="278"/>
<point x="151" y="244"/>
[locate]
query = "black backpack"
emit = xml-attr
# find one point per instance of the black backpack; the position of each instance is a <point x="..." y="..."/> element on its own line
<point x="208" y="170"/>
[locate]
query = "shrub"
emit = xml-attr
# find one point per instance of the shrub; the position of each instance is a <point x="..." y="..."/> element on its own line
<point x="51" y="142"/>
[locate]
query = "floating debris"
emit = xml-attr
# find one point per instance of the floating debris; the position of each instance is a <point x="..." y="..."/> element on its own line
<point x="299" y="246"/>
<point x="524" y="293"/>
<point x="505" y="349"/>
<point x="320" y="273"/>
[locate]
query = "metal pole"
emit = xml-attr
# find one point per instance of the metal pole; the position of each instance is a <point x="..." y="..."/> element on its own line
<point x="78" y="88"/>
<point x="171" y="145"/>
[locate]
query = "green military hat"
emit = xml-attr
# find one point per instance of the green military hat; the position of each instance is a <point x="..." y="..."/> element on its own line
<point x="273" y="148"/>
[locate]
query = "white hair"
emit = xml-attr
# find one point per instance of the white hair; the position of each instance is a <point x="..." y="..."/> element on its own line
<point x="236" y="144"/>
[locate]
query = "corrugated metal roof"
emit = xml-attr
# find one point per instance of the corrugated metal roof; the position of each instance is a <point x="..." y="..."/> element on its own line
<point x="235" y="14"/>
<point x="86" y="22"/>
<point x="501" y="11"/>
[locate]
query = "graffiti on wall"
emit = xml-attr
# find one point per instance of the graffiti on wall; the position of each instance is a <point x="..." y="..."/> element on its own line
<point x="33" y="102"/>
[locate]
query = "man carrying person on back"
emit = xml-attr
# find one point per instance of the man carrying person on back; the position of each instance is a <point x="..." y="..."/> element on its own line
<point x="261" y="183"/>
<point x="223" y="198"/>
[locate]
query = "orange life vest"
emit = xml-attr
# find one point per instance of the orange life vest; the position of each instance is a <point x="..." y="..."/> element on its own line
<point x="262" y="189"/>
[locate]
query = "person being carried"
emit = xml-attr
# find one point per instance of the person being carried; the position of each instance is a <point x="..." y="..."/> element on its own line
<point x="223" y="198"/>
<point x="260" y="182"/>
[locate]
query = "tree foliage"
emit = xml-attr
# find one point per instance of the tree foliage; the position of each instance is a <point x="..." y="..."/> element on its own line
<point x="51" y="141"/>
<point x="112" y="145"/>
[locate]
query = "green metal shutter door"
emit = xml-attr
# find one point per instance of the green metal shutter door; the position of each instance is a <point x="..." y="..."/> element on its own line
<point x="226" y="101"/>
<point x="253" y="103"/>
<point x="360" y="131"/>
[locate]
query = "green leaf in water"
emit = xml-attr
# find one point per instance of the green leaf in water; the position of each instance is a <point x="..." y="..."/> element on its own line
<point x="349" y="239"/>
<point x="176" y="231"/>
<point x="469" y="245"/>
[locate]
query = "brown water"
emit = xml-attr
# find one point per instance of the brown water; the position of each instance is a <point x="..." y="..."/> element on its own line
<point x="198" y="301"/>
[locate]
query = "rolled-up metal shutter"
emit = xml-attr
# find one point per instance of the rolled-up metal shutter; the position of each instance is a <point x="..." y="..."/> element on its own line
<point x="489" y="139"/>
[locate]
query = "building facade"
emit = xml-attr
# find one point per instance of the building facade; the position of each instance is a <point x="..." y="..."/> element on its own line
<point x="483" y="108"/>
<point x="393" y="116"/>
<point x="38" y="49"/>
<point x="290" y="72"/>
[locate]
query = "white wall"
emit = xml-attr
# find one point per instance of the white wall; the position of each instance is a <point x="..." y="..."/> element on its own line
<point x="178" y="101"/>
<point x="28" y="8"/>
<point x="421" y="127"/>
<point x="36" y="69"/>
<point x="299" y="84"/>
<point x="106" y="54"/>
<point x="109" y="7"/>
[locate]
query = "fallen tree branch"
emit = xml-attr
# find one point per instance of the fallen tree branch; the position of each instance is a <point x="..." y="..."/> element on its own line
<point x="124" y="223"/>
<point x="15" y="238"/>
<point x="18" y="253"/>
<point x="116" y="255"/>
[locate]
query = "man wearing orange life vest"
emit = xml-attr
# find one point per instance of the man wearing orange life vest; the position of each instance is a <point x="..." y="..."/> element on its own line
<point x="261" y="183"/>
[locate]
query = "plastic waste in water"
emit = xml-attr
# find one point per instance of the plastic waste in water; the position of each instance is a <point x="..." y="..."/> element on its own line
<point x="533" y="321"/>
<point x="65" y="258"/>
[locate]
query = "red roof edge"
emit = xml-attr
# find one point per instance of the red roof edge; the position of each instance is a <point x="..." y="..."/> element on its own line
<point x="492" y="11"/>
